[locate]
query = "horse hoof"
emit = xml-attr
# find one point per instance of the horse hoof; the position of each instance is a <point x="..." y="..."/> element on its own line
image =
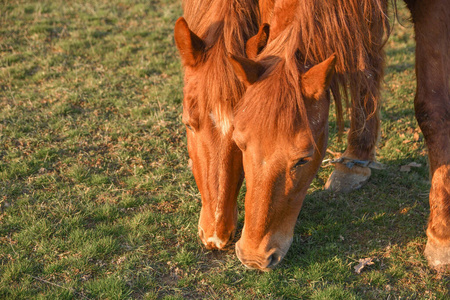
<point x="438" y="257"/>
<point x="345" y="180"/>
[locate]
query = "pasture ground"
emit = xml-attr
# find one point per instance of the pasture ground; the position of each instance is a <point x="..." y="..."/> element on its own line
<point x="97" y="200"/>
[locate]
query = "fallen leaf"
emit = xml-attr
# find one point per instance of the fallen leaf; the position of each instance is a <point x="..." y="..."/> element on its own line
<point x="362" y="263"/>
<point x="416" y="136"/>
<point x="405" y="210"/>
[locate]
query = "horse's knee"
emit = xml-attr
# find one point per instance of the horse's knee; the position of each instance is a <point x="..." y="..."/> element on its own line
<point x="432" y="110"/>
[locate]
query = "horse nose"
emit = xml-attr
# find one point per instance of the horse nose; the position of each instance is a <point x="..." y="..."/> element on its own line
<point x="202" y="235"/>
<point x="264" y="262"/>
<point x="212" y="242"/>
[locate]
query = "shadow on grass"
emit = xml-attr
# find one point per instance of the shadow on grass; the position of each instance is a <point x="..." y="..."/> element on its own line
<point x="392" y="208"/>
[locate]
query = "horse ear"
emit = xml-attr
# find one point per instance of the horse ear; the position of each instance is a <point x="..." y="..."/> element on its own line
<point x="317" y="79"/>
<point x="191" y="47"/>
<point x="247" y="70"/>
<point x="257" y="43"/>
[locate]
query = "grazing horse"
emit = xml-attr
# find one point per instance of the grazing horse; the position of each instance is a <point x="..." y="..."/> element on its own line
<point x="281" y="123"/>
<point x="211" y="90"/>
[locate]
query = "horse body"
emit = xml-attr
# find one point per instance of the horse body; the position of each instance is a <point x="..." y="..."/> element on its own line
<point x="268" y="113"/>
<point x="211" y="89"/>
<point x="304" y="33"/>
<point x="281" y="122"/>
<point x="279" y="167"/>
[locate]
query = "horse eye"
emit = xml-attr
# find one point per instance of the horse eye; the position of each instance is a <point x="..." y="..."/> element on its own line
<point x="189" y="127"/>
<point x="301" y="162"/>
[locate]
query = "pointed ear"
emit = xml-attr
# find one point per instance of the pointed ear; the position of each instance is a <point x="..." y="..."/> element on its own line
<point x="317" y="79"/>
<point x="191" y="47"/>
<point x="257" y="43"/>
<point x="247" y="70"/>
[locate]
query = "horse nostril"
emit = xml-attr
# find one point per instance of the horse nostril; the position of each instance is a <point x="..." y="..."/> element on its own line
<point x="273" y="260"/>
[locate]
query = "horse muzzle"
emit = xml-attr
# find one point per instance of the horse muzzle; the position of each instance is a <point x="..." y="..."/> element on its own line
<point x="262" y="260"/>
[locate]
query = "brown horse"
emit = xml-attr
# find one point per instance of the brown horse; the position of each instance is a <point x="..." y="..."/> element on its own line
<point x="281" y="122"/>
<point x="432" y="107"/>
<point x="211" y="90"/>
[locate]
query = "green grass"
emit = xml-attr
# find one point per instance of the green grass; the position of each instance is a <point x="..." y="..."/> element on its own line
<point x="96" y="197"/>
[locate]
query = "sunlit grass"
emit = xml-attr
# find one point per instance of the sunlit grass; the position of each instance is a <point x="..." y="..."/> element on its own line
<point x="96" y="197"/>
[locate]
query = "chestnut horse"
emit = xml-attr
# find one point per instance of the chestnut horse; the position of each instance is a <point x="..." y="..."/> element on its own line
<point x="281" y="123"/>
<point x="211" y="90"/>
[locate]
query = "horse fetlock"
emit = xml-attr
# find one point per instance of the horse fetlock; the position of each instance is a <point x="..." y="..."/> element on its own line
<point x="345" y="180"/>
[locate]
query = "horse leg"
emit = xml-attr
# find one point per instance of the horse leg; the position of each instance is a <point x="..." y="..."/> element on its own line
<point x="363" y="135"/>
<point x="432" y="106"/>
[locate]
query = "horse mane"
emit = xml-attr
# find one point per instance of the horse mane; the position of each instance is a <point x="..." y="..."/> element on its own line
<point x="306" y="32"/>
<point x="356" y="31"/>
<point x="273" y="103"/>
<point x="225" y="27"/>
<point x="266" y="9"/>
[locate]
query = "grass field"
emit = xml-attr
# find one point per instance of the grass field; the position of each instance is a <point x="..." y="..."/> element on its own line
<point x="97" y="200"/>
